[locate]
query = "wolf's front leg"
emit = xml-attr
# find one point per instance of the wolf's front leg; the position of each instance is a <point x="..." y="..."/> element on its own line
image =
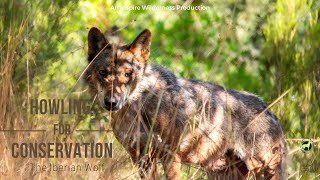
<point x="148" y="168"/>
<point x="147" y="162"/>
<point x="171" y="165"/>
<point x="147" y="165"/>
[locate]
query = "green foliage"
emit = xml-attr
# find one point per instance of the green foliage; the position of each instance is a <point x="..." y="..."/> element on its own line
<point x="292" y="50"/>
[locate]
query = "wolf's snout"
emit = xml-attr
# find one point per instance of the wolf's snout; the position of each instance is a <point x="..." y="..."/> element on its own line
<point x="110" y="104"/>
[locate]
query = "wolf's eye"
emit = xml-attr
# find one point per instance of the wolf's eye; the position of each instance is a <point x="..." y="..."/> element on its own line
<point x="103" y="72"/>
<point x="128" y="74"/>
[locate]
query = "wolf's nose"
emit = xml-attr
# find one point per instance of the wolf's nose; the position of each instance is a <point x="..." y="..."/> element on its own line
<point x="109" y="104"/>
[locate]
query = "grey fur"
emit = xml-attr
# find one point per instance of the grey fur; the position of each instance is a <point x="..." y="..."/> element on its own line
<point x="197" y="122"/>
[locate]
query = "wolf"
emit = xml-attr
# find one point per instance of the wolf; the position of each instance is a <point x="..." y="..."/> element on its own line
<point x="159" y="117"/>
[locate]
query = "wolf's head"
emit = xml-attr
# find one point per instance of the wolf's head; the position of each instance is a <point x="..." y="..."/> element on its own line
<point x="115" y="70"/>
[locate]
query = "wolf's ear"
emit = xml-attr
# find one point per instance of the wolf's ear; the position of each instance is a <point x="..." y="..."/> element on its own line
<point x="96" y="42"/>
<point x="141" y="46"/>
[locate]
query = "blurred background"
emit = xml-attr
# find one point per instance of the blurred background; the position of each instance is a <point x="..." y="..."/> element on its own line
<point x="268" y="47"/>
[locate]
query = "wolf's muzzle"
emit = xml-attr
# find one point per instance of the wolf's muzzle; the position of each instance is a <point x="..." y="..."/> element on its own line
<point x="110" y="105"/>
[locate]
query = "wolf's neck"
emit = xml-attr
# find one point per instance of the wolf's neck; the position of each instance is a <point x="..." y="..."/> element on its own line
<point x="155" y="79"/>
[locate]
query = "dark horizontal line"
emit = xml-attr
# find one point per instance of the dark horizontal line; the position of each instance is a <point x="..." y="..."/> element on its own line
<point x="21" y="130"/>
<point x="94" y="130"/>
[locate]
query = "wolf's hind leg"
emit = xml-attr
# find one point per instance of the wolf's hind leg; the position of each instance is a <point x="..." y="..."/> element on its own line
<point x="269" y="165"/>
<point x="274" y="164"/>
<point x="229" y="166"/>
